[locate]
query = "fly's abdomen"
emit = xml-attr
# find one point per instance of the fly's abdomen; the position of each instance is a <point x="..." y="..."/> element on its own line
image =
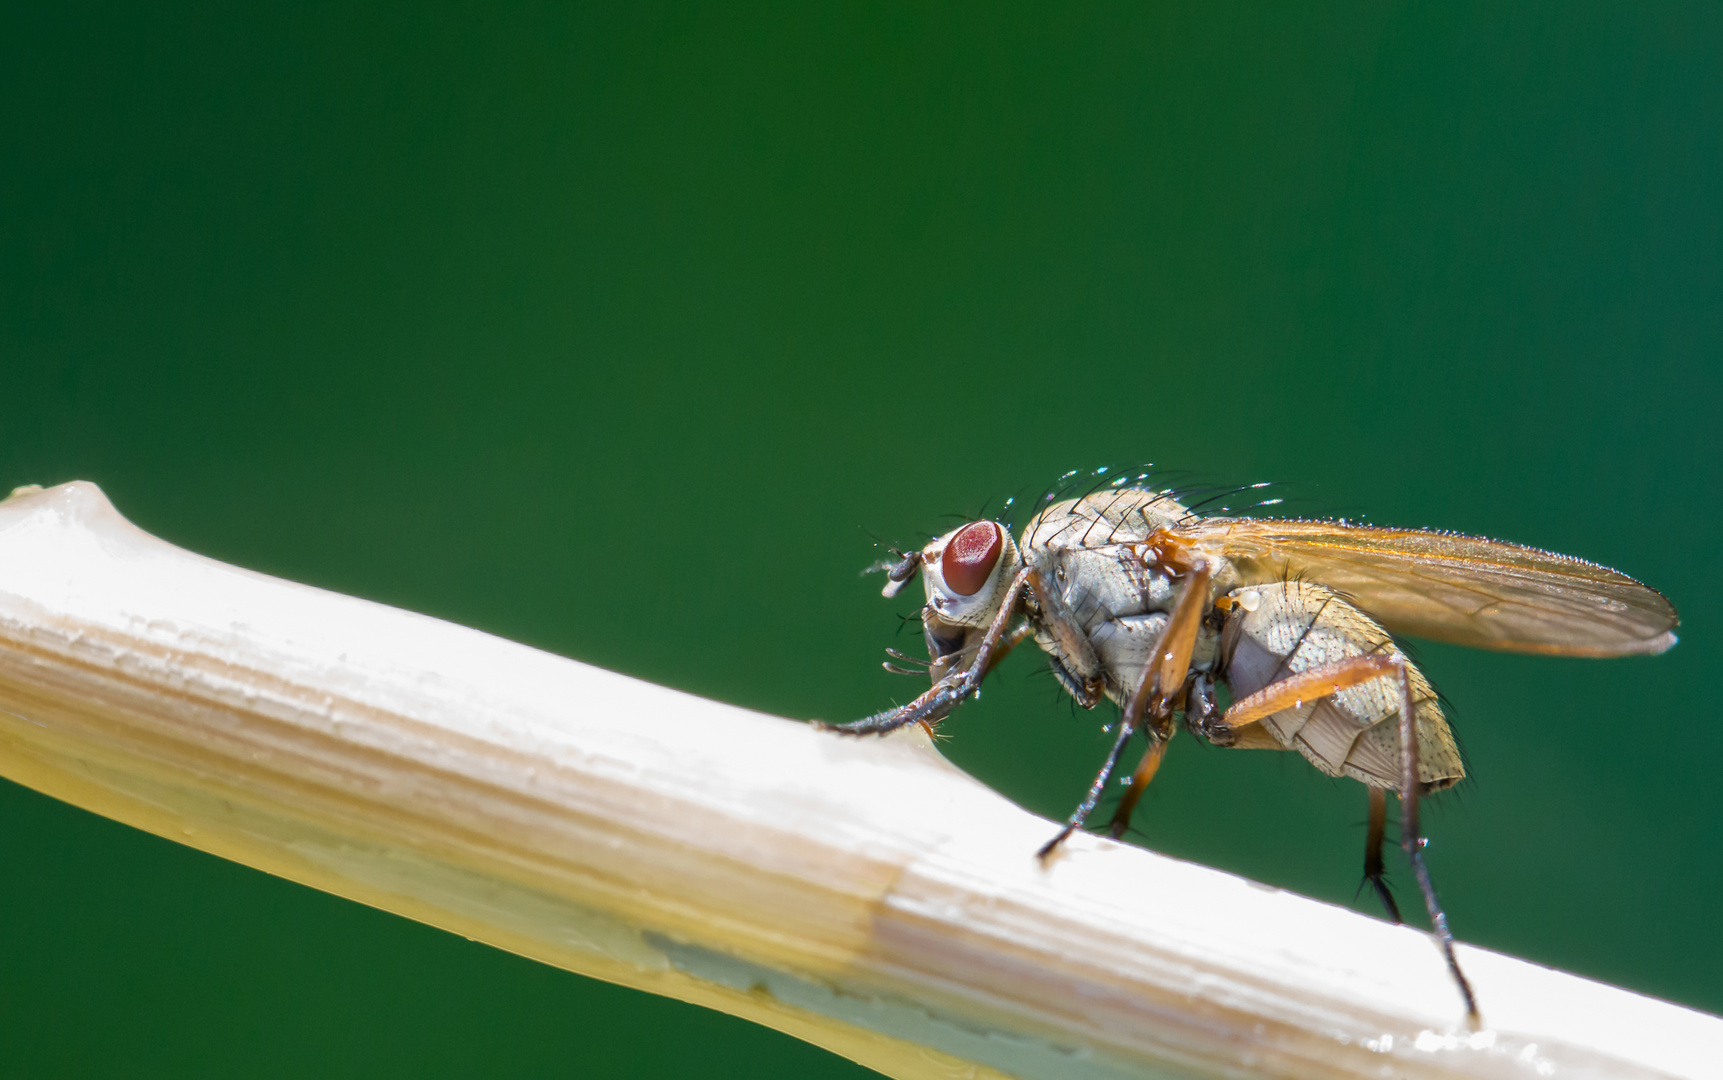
<point x="1288" y="627"/>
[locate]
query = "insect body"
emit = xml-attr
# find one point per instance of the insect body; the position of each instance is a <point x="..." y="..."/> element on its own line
<point x="1138" y="600"/>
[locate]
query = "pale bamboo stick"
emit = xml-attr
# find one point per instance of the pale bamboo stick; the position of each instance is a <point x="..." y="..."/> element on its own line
<point x="863" y="895"/>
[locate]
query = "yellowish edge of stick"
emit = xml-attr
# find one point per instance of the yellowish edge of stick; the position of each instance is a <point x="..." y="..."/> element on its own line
<point x="22" y="764"/>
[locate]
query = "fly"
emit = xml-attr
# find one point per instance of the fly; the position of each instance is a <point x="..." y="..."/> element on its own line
<point x="1139" y="600"/>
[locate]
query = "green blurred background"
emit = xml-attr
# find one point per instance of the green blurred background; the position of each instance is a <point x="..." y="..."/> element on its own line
<point x="612" y="330"/>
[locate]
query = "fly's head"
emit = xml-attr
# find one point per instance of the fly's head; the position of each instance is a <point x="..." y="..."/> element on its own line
<point x="966" y="574"/>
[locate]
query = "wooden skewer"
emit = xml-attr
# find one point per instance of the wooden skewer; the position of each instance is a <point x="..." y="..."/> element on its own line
<point x="861" y="894"/>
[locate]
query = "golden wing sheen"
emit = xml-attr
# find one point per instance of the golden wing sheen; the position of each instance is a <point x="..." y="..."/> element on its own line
<point x="1464" y="589"/>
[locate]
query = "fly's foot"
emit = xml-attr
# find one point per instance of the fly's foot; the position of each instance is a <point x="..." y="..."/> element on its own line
<point x="882" y="724"/>
<point x="1051" y="847"/>
<point x="1219" y="732"/>
<point x="1087" y="692"/>
<point x="877" y="724"/>
<point x="1379" y="885"/>
<point x="1201" y="713"/>
<point x="927" y="710"/>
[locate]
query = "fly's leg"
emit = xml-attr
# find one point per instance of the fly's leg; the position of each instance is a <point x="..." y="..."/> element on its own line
<point x="1171" y="661"/>
<point x="1200" y="708"/>
<point x="1169" y="667"/>
<point x="1194" y="598"/>
<point x="1295" y="690"/>
<point x="936" y="703"/>
<point x="1373" y="852"/>
<point x="1080" y="671"/>
<point x="1330" y="679"/>
<point x="1412" y="841"/>
<point x="1010" y="641"/>
<point x="1084" y="809"/>
<point x="1146" y="770"/>
<point x="930" y="707"/>
<point x="1085" y="686"/>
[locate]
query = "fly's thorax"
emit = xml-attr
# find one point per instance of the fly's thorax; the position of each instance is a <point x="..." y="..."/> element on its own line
<point x="1121" y="603"/>
<point x="966" y="573"/>
<point x="1107" y="553"/>
<point x="1104" y="583"/>
<point x="1111" y="516"/>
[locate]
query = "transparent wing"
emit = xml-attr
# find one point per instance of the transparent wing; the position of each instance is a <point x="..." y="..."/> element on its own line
<point x="1465" y="589"/>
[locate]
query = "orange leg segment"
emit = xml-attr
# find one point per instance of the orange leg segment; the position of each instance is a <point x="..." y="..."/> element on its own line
<point x="1146" y="770"/>
<point x="1295" y="690"/>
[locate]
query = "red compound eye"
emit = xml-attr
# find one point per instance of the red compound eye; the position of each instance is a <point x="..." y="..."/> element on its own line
<point x="970" y="557"/>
